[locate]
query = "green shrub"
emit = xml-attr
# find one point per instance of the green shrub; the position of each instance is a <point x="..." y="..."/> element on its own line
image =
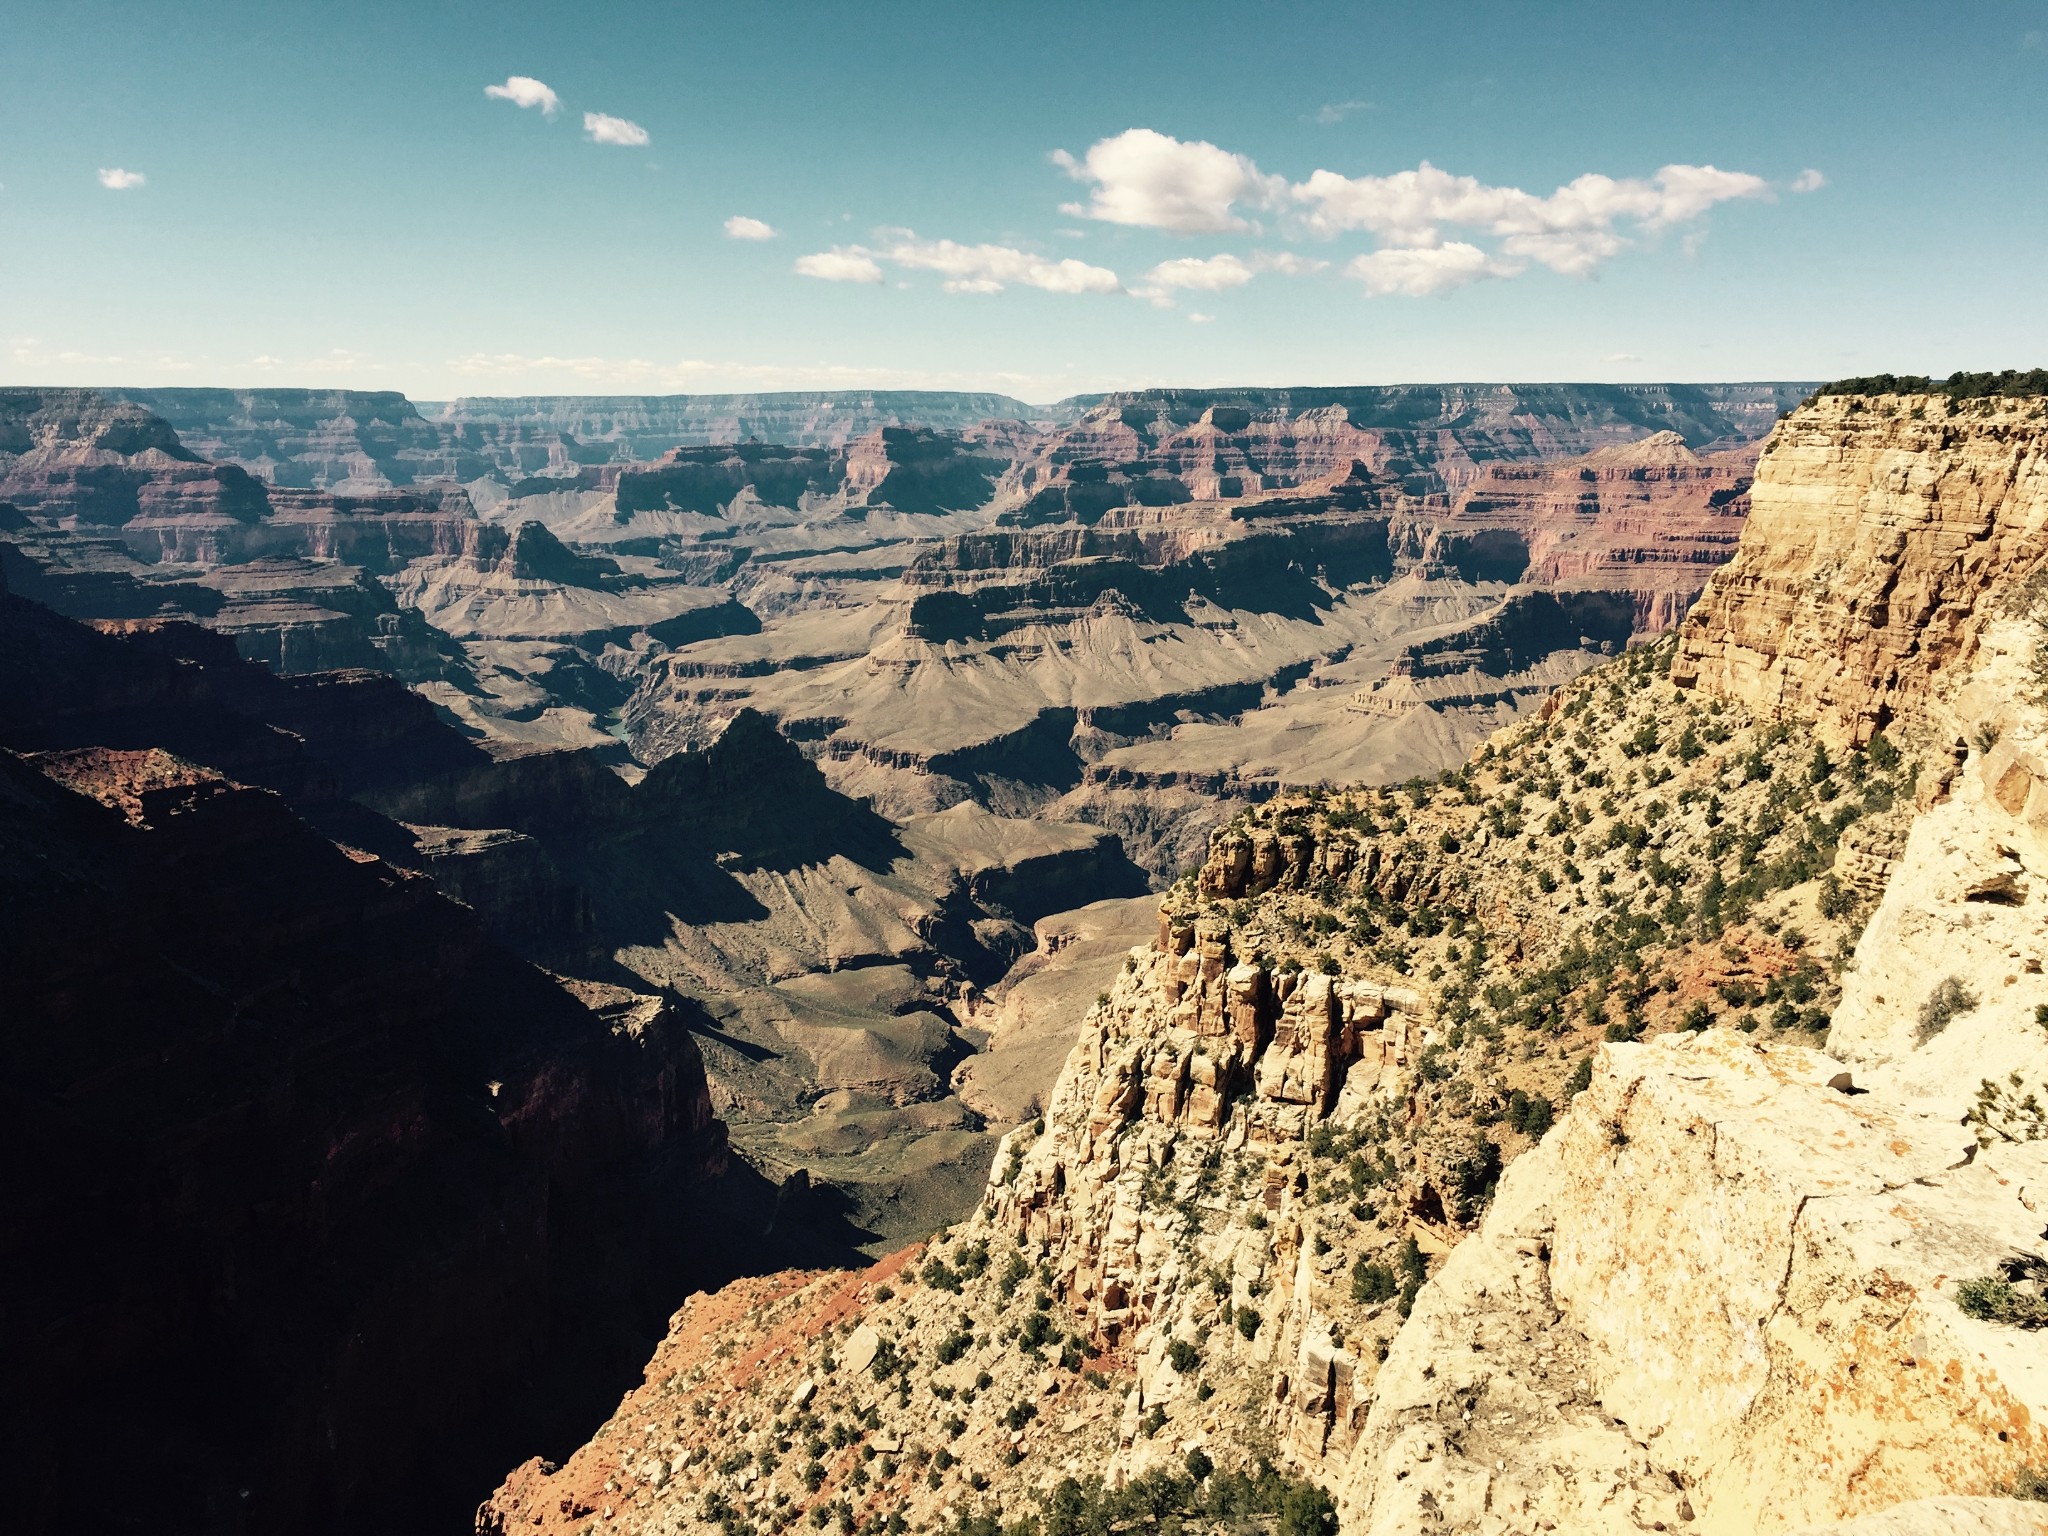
<point x="1182" y="1356"/>
<point x="1949" y="1001"/>
<point x="1372" y="1283"/>
<point x="1530" y="1114"/>
<point x="1012" y="1276"/>
<point x="1995" y="1299"/>
<point x="1248" y="1321"/>
<point x="2031" y="1483"/>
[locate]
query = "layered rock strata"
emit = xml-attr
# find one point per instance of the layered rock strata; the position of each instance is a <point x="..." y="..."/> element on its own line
<point x="1880" y="524"/>
<point x="1299" y="1192"/>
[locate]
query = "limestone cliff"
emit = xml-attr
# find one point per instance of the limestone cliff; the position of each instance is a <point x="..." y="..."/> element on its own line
<point x="1878" y="526"/>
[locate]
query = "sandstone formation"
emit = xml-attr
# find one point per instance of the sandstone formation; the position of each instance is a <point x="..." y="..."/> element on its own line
<point x="1158" y="570"/>
<point x="1650" y="518"/>
<point x="1722" y="1293"/>
<point x="1881" y="524"/>
<point x="72" y="453"/>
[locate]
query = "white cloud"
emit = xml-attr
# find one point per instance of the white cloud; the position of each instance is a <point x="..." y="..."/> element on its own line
<point x="1145" y="178"/>
<point x="840" y="266"/>
<point x="525" y="91"/>
<point x="740" y="227"/>
<point x="1407" y="207"/>
<point x="1808" y="180"/>
<point x="991" y="268"/>
<point x="1214" y="274"/>
<point x="1199" y="319"/>
<point x="1331" y="113"/>
<point x="1621" y="357"/>
<point x="1424" y="270"/>
<point x="1148" y="179"/>
<point x="603" y="128"/>
<point x="114" y="179"/>
<point x="1209" y="274"/>
<point x="1572" y="231"/>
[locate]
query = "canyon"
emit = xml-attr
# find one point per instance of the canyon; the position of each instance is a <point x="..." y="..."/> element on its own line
<point x="1636" y="1127"/>
<point x="1031" y="657"/>
<point x="1308" y="933"/>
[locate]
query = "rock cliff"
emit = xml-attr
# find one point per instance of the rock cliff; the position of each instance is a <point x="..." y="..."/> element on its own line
<point x="1880" y="523"/>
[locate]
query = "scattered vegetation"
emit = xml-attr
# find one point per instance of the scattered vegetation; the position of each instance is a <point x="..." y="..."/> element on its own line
<point x="2013" y="1298"/>
<point x="2010" y="382"/>
<point x="2007" y="1111"/>
<point x="1165" y="1501"/>
<point x="1949" y="1001"/>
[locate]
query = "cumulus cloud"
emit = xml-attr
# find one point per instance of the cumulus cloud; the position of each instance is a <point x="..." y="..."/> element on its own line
<point x="989" y="268"/>
<point x="114" y="179"/>
<point x="1419" y="271"/>
<point x="1210" y="274"/>
<point x="603" y="128"/>
<point x="1199" y="319"/>
<point x="525" y="91"/>
<point x="1145" y="178"/>
<point x="842" y="265"/>
<point x="1214" y="274"/>
<point x="965" y="268"/>
<point x="740" y="227"/>
<point x="1570" y="230"/>
<point x="1808" y="180"/>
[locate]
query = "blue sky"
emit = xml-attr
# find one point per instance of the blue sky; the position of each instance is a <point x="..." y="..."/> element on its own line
<point x="329" y="196"/>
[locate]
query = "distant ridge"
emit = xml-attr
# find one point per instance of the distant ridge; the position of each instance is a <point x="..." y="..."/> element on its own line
<point x="349" y="440"/>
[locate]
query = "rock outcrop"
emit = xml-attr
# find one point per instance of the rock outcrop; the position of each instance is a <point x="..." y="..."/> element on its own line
<point x="1721" y="1294"/>
<point x="1878" y="527"/>
<point x="1650" y="518"/>
<point x="76" y="454"/>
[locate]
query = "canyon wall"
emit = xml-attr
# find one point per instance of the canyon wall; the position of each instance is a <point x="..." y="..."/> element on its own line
<point x="1879" y="525"/>
<point x="338" y="1202"/>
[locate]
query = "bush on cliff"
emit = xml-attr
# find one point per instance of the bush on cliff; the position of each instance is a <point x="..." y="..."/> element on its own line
<point x="2012" y="382"/>
<point x="1162" y="1500"/>
<point x="1995" y="1299"/>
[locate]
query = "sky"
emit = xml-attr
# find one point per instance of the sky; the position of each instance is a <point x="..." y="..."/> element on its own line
<point x="516" y="197"/>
